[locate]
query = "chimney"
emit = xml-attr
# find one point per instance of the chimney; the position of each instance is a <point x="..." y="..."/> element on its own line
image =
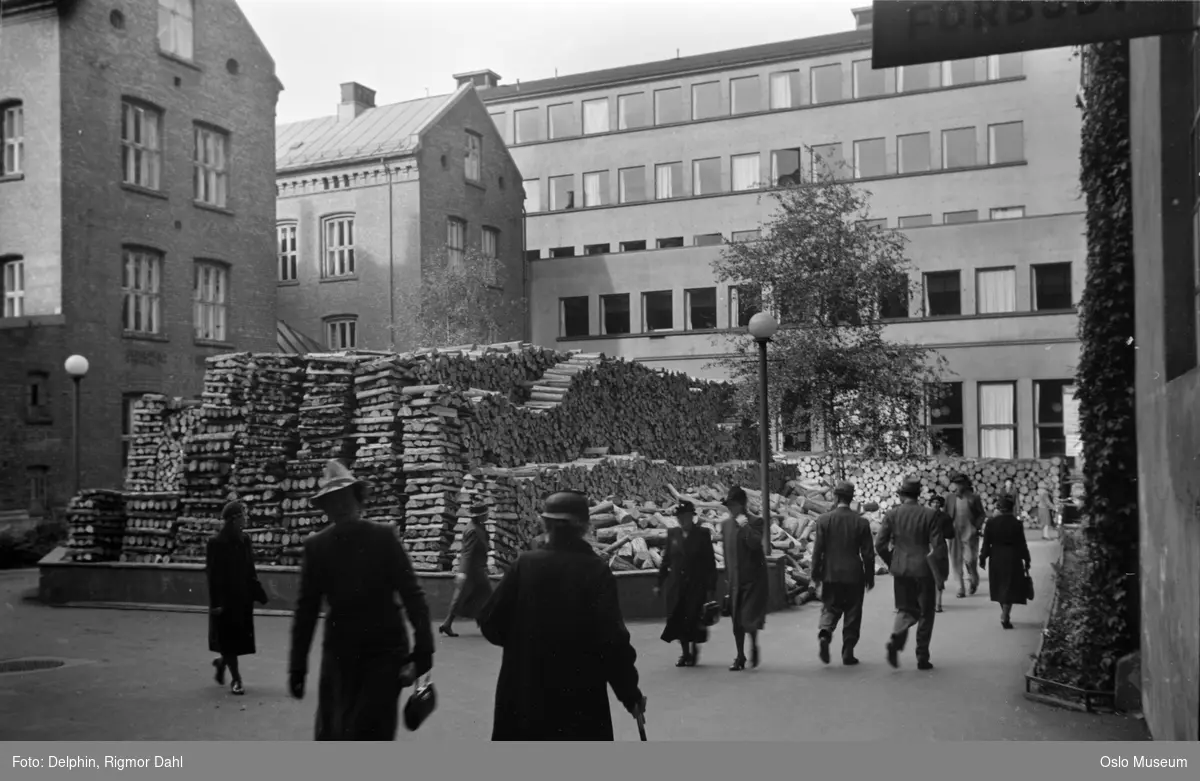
<point x="863" y="17"/>
<point x="355" y="100"/>
<point x="482" y="80"/>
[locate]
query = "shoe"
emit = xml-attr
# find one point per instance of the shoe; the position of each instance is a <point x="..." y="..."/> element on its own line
<point x="924" y="664"/>
<point x="754" y="655"/>
<point x="738" y="665"/>
<point x="447" y="631"/>
<point x="684" y="661"/>
<point x="219" y="677"/>
<point x="236" y="688"/>
<point x="1006" y="624"/>
<point x="849" y="660"/>
<point x="974" y="588"/>
<point x="961" y="595"/>
<point x="893" y="653"/>
<point x="938" y="609"/>
<point x="824" y="651"/>
<point x="695" y="655"/>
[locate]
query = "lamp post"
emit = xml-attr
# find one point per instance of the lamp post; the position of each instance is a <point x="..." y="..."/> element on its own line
<point x="762" y="327"/>
<point x="77" y="367"/>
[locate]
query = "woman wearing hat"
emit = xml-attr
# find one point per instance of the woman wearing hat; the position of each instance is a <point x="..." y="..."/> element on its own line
<point x="746" y="575"/>
<point x="474" y="587"/>
<point x="689" y="572"/>
<point x="1004" y="544"/>
<point x="233" y="588"/>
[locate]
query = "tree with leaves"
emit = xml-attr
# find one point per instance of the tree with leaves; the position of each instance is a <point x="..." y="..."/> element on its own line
<point x="460" y="299"/>
<point x="831" y="278"/>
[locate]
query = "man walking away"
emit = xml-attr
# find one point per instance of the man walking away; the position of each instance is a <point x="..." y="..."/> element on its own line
<point x="967" y="515"/>
<point x="843" y="565"/>
<point x="908" y="538"/>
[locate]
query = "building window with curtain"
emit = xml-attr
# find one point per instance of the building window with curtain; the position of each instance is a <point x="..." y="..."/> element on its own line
<point x="827" y="161"/>
<point x="958" y="148"/>
<point x="631" y="183"/>
<point x="341" y="333"/>
<point x="1005" y="66"/>
<point x="946" y="417"/>
<point x="912" y="153"/>
<point x="745" y="301"/>
<point x="1007" y="213"/>
<point x="614" y="314"/>
<point x="595" y="116"/>
<point x="140" y="292"/>
<point x="209" y="292"/>
<point x="562" y="192"/>
<point x="746" y="172"/>
<point x="785" y="89"/>
<point x="175" y="32"/>
<point x="911" y="78"/>
<point x="595" y="188"/>
<point x="211" y="176"/>
<point x="1052" y="287"/>
<point x="141" y="154"/>
<point x="668" y="106"/>
<point x="995" y="291"/>
<point x="959" y="72"/>
<point x="632" y="111"/>
<point x="658" y="311"/>
<point x="12" y="132"/>
<point x="13" y="280"/>
<point x="1006" y="143"/>
<point x="533" y="195"/>
<point x="997" y="420"/>
<point x="338" y="254"/>
<point x="870" y="158"/>
<point x="456" y="240"/>
<point x="668" y="181"/>
<point x="868" y="82"/>
<point x="785" y="167"/>
<point x="490" y="239"/>
<point x="286" y="258"/>
<point x="573" y="316"/>
<point x="745" y="95"/>
<point x="564" y="122"/>
<point x="826" y="83"/>
<point x="706" y="100"/>
<point x="700" y="308"/>
<point x="706" y="176"/>
<point x="473" y="157"/>
<point x="943" y="294"/>
<point x="1049" y="400"/>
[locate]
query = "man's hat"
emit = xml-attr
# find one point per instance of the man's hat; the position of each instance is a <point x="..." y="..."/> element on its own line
<point x="685" y="507"/>
<point x="910" y="487"/>
<point x="736" y="495"/>
<point x="1005" y="503"/>
<point x="566" y="506"/>
<point x="959" y="477"/>
<point x="478" y="510"/>
<point x="337" y="477"/>
<point x="844" y="489"/>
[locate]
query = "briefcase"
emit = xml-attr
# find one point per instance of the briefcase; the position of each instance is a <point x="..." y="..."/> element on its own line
<point x="422" y="703"/>
<point x="711" y="613"/>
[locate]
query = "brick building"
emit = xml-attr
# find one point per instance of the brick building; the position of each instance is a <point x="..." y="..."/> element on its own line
<point x="136" y="206"/>
<point x="364" y="195"/>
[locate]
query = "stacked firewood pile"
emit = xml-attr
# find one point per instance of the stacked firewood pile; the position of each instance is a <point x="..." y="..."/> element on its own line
<point x="95" y="524"/>
<point x="147" y="432"/>
<point x="150" y="527"/>
<point x="377" y="389"/>
<point x="510" y="368"/>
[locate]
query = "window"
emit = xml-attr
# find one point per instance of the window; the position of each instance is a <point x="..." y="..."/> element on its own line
<point x="632" y="184"/>
<point x="753" y="235"/>
<point x="943" y="294"/>
<point x="957" y="218"/>
<point x="533" y="195"/>
<point x="669" y="243"/>
<point x="37" y="399"/>
<point x="473" y="162"/>
<point x="614" y="314"/>
<point x="564" y="123"/>
<point x="826" y="83"/>
<point x="959" y="72"/>
<point x="456" y="240"/>
<point x="745" y="301"/>
<point x="490" y="243"/>
<point x="527" y="125"/>
<point x="175" y="27"/>
<point x="868" y="82"/>
<point x="211" y="282"/>
<point x="827" y="161"/>
<point x="708" y="239"/>
<point x="911" y="78"/>
<point x="631" y="111"/>
<point x="595" y="188"/>
<point x="341" y="333"/>
<point x="38" y="479"/>
<point x="785" y="89"/>
<point x="633" y="246"/>
<point x="893" y="299"/>
<point x="596" y="249"/>
<point x="573" y="316"/>
<point x="1049" y="397"/>
<point x="286" y="235"/>
<point x="946" y="416"/>
<point x="595" y="116"/>
<point x="533" y="254"/>
<point x="210" y="173"/>
<point x="700" y="308"/>
<point x="657" y="311"/>
<point x="706" y="176"/>
<point x="141" y="152"/>
<point x="785" y="167"/>
<point x="338" y="252"/>
<point x="668" y="181"/>
<point x="562" y="252"/>
<point x="746" y="172"/>
<point x="1052" y="287"/>
<point x="12" y="130"/>
<point x="1004" y="66"/>
<point x="498" y="118"/>
<point x="912" y="153"/>
<point x="915" y="221"/>
<point x="140" y="291"/>
<point x="562" y="192"/>
<point x="878" y="224"/>
<point x="1008" y="213"/>
<point x="870" y="158"/>
<point x="997" y="420"/>
<point x="706" y="100"/>
<point x="958" y="148"/>
<point x="745" y="96"/>
<point x="995" y="291"/>
<point x="668" y="106"/>
<point x="1006" y="143"/>
<point x="14" y="287"/>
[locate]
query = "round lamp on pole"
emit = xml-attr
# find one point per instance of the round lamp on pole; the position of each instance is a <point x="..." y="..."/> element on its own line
<point x="762" y="327"/>
<point x="77" y="368"/>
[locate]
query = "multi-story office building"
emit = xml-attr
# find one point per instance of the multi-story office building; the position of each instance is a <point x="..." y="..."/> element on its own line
<point x="635" y="176"/>
<point x="365" y="195"/>
<point x="136" y="214"/>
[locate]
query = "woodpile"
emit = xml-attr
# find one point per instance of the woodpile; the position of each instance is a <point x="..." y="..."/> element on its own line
<point x="150" y="527"/>
<point x="95" y="524"/>
<point x="510" y="368"/>
<point x="147" y="431"/>
<point x="377" y="389"/>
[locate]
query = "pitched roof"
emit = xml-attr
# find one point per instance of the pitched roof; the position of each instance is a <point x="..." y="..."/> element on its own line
<point x="289" y="340"/>
<point x="796" y="49"/>
<point x="385" y="130"/>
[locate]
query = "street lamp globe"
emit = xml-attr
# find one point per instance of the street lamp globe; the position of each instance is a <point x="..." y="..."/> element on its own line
<point x="762" y="326"/>
<point x="76" y="366"/>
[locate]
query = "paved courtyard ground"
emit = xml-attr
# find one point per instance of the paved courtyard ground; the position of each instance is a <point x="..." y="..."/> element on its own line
<point x="146" y="675"/>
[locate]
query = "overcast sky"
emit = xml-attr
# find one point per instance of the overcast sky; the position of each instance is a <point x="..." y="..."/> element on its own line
<point x="401" y="48"/>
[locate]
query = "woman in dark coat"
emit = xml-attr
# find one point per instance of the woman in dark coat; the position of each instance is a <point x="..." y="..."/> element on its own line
<point x="746" y="575"/>
<point x="233" y="588"/>
<point x="1004" y="544"/>
<point x="474" y="587"/>
<point x="689" y="570"/>
<point x="942" y="556"/>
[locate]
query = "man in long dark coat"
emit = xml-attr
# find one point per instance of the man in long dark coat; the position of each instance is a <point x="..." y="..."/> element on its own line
<point x="557" y="617"/>
<point x="745" y="575"/>
<point x="843" y="564"/>
<point x="689" y="574"/>
<point x="358" y="567"/>
<point x="908" y="538"/>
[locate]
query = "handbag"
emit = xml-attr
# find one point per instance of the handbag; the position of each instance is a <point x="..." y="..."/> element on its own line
<point x="420" y="704"/>
<point x="711" y="613"/>
<point x="1029" y="593"/>
<point x="727" y="606"/>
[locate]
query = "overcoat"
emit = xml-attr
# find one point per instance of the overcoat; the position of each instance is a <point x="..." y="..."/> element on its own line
<point x="234" y="587"/>
<point x="557" y="617"/>
<point x="687" y="576"/>
<point x="472" y="593"/>
<point x="1005" y="546"/>
<point x="746" y="572"/>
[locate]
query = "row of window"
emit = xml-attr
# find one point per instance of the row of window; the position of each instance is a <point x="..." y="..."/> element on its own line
<point x="337" y="246"/>
<point x="997" y="417"/>
<point x="142" y="150"/>
<point x="913" y="154"/>
<point x="745" y="95"/>
<point x="995" y="293"/>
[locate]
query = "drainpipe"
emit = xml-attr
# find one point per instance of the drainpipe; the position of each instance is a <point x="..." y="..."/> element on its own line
<point x="525" y="278"/>
<point x="391" y="261"/>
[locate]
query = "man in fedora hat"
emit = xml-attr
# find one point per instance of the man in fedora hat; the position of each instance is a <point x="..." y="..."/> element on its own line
<point x="473" y="587"/>
<point x="557" y="617"/>
<point x="967" y="516"/>
<point x="908" y="538"/>
<point x="843" y="565"/>
<point x="357" y="567"/>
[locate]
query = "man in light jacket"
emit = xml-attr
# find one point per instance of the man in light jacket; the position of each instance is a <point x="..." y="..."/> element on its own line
<point x="968" y="516"/>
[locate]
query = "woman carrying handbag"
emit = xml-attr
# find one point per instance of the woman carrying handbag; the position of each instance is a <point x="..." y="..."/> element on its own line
<point x="1005" y="546"/>
<point x="689" y="573"/>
